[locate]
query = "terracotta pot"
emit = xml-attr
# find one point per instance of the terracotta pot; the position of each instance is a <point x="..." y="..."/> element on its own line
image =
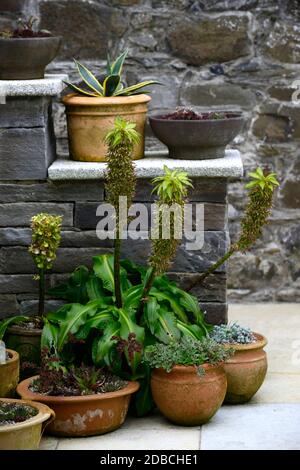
<point x="197" y="140"/>
<point x="26" y="58"/>
<point x="9" y="374"/>
<point x="186" y="398"/>
<point x="25" y="435"/>
<point x="89" y="119"/>
<point x="84" y="415"/>
<point x="27" y="342"/>
<point x="246" y="370"/>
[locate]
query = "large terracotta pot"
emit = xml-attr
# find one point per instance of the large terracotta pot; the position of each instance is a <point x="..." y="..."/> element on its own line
<point x="25" y="435"/>
<point x="84" y="415"/>
<point x="186" y="398"/>
<point x="245" y="370"/>
<point x="27" y="342"/>
<point x="9" y="374"/>
<point x="89" y="119"/>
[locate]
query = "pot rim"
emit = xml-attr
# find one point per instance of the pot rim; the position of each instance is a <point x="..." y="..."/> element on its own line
<point x="25" y="393"/>
<point x="14" y="357"/>
<point x="18" y="330"/>
<point x="260" y="343"/>
<point x="72" y="99"/>
<point x="234" y="116"/>
<point x="31" y="39"/>
<point x="182" y="368"/>
<point x="44" y="413"/>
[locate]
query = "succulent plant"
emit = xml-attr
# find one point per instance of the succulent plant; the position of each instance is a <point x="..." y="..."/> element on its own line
<point x="111" y="84"/>
<point x="187" y="352"/>
<point x="232" y="333"/>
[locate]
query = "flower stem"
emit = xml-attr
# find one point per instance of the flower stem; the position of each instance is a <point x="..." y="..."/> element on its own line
<point x="41" y="292"/>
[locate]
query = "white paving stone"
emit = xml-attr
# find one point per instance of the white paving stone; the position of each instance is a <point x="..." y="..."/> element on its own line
<point x="253" y="427"/>
<point x="151" y="166"/>
<point x="151" y="433"/>
<point x="51" y="85"/>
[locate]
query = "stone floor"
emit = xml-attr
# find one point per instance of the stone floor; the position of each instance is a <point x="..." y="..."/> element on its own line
<point x="270" y="421"/>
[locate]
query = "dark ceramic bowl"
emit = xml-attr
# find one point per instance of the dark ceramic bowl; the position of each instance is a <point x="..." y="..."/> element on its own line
<point x="26" y="58"/>
<point x="197" y="140"/>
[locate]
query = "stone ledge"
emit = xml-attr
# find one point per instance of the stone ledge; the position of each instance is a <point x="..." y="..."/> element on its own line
<point x="51" y="85"/>
<point x="231" y="166"/>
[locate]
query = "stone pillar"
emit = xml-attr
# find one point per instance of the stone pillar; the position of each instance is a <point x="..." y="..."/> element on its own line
<point x="27" y="143"/>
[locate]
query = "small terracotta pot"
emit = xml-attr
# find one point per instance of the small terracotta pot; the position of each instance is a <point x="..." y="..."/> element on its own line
<point x="245" y="370"/>
<point x="9" y="374"/>
<point x="186" y="398"/>
<point x="84" y="415"/>
<point x="27" y="342"/>
<point x="25" y="435"/>
<point x="89" y="119"/>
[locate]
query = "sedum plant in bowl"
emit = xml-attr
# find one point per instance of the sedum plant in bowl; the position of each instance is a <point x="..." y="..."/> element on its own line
<point x="188" y="368"/>
<point x="246" y="369"/>
<point x="25" y="51"/>
<point x="94" y="105"/>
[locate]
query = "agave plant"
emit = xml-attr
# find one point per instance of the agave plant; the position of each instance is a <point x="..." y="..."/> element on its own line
<point x="111" y="84"/>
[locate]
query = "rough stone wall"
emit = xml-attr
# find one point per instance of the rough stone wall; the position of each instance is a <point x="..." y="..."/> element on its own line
<point x="222" y="54"/>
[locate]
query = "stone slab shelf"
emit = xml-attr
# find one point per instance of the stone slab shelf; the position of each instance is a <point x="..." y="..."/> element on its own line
<point x="50" y="85"/>
<point x="152" y="165"/>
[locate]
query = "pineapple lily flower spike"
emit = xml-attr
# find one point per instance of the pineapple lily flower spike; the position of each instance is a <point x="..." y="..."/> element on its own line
<point x="112" y="84"/>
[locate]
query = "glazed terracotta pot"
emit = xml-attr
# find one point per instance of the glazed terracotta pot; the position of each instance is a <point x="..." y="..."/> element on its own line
<point x="84" y="415"/>
<point x="27" y="342"/>
<point x="246" y="370"/>
<point x="186" y="398"/>
<point x="26" y="58"/>
<point x="89" y="119"/>
<point x="197" y="140"/>
<point x="9" y="374"/>
<point x="25" y="435"/>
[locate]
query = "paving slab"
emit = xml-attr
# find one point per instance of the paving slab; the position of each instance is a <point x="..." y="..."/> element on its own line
<point x="253" y="427"/>
<point x="151" y="433"/>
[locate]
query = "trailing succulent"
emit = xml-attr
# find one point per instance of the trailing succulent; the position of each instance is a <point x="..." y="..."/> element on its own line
<point x="186" y="352"/>
<point x="110" y="84"/>
<point x="232" y="333"/>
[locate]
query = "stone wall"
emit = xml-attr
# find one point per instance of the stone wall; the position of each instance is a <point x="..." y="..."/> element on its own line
<point x="222" y="54"/>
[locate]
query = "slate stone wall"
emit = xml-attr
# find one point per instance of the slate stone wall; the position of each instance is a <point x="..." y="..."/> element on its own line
<point x="222" y="54"/>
